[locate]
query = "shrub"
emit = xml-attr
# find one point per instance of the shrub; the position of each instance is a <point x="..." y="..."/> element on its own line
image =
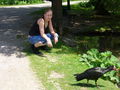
<point x="94" y="58"/>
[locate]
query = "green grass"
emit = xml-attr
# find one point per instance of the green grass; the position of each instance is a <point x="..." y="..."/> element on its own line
<point x="64" y="61"/>
<point x="83" y="9"/>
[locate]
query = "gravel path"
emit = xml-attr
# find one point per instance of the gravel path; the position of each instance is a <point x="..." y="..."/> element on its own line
<point x="15" y="73"/>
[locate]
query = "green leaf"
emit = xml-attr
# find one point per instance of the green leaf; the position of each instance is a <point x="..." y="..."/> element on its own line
<point x="113" y="78"/>
<point x="85" y="56"/>
<point x="118" y="64"/>
<point x="113" y="58"/>
<point x="102" y="65"/>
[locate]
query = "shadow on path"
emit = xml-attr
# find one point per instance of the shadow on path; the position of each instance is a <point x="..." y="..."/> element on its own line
<point x="14" y="26"/>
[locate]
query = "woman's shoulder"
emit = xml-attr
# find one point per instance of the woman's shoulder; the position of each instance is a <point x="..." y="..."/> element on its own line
<point x="40" y="20"/>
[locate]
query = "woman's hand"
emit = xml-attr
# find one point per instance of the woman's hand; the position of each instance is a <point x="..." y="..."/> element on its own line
<point x="55" y="40"/>
<point x="49" y="43"/>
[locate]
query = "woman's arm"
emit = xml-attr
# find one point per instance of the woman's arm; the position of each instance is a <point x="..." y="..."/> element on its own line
<point x="53" y="32"/>
<point x="40" y="22"/>
<point x="51" y="28"/>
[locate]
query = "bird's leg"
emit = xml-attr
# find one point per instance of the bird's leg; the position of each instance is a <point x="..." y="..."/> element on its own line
<point x="87" y="80"/>
<point x="96" y="83"/>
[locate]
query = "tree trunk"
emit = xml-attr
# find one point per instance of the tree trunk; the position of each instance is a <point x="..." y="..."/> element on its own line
<point x="57" y="15"/>
<point x="68" y="4"/>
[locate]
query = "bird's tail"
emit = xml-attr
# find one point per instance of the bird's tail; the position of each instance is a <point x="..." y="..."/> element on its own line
<point x="79" y="76"/>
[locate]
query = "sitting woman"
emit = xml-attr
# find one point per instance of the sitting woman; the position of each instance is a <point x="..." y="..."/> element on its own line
<point x="42" y="32"/>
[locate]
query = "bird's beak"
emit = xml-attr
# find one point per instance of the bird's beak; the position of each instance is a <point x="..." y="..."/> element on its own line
<point x="117" y="69"/>
<point x="114" y="68"/>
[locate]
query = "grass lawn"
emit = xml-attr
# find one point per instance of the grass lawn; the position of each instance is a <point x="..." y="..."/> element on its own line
<point x="56" y="70"/>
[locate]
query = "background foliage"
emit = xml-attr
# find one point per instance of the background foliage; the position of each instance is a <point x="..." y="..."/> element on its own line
<point x="12" y="2"/>
<point x="112" y="6"/>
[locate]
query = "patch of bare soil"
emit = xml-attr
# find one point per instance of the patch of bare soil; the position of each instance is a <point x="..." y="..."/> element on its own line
<point x="55" y="75"/>
<point x="50" y="58"/>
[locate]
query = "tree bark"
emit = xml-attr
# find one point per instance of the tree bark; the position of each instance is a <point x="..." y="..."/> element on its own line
<point x="57" y="15"/>
<point x="68" y="4"/>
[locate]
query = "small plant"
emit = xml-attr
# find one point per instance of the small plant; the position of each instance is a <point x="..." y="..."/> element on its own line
<point x="94" y="58"/>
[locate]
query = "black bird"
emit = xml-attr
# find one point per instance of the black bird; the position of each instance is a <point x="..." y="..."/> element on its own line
<point x="93" y="73"/>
